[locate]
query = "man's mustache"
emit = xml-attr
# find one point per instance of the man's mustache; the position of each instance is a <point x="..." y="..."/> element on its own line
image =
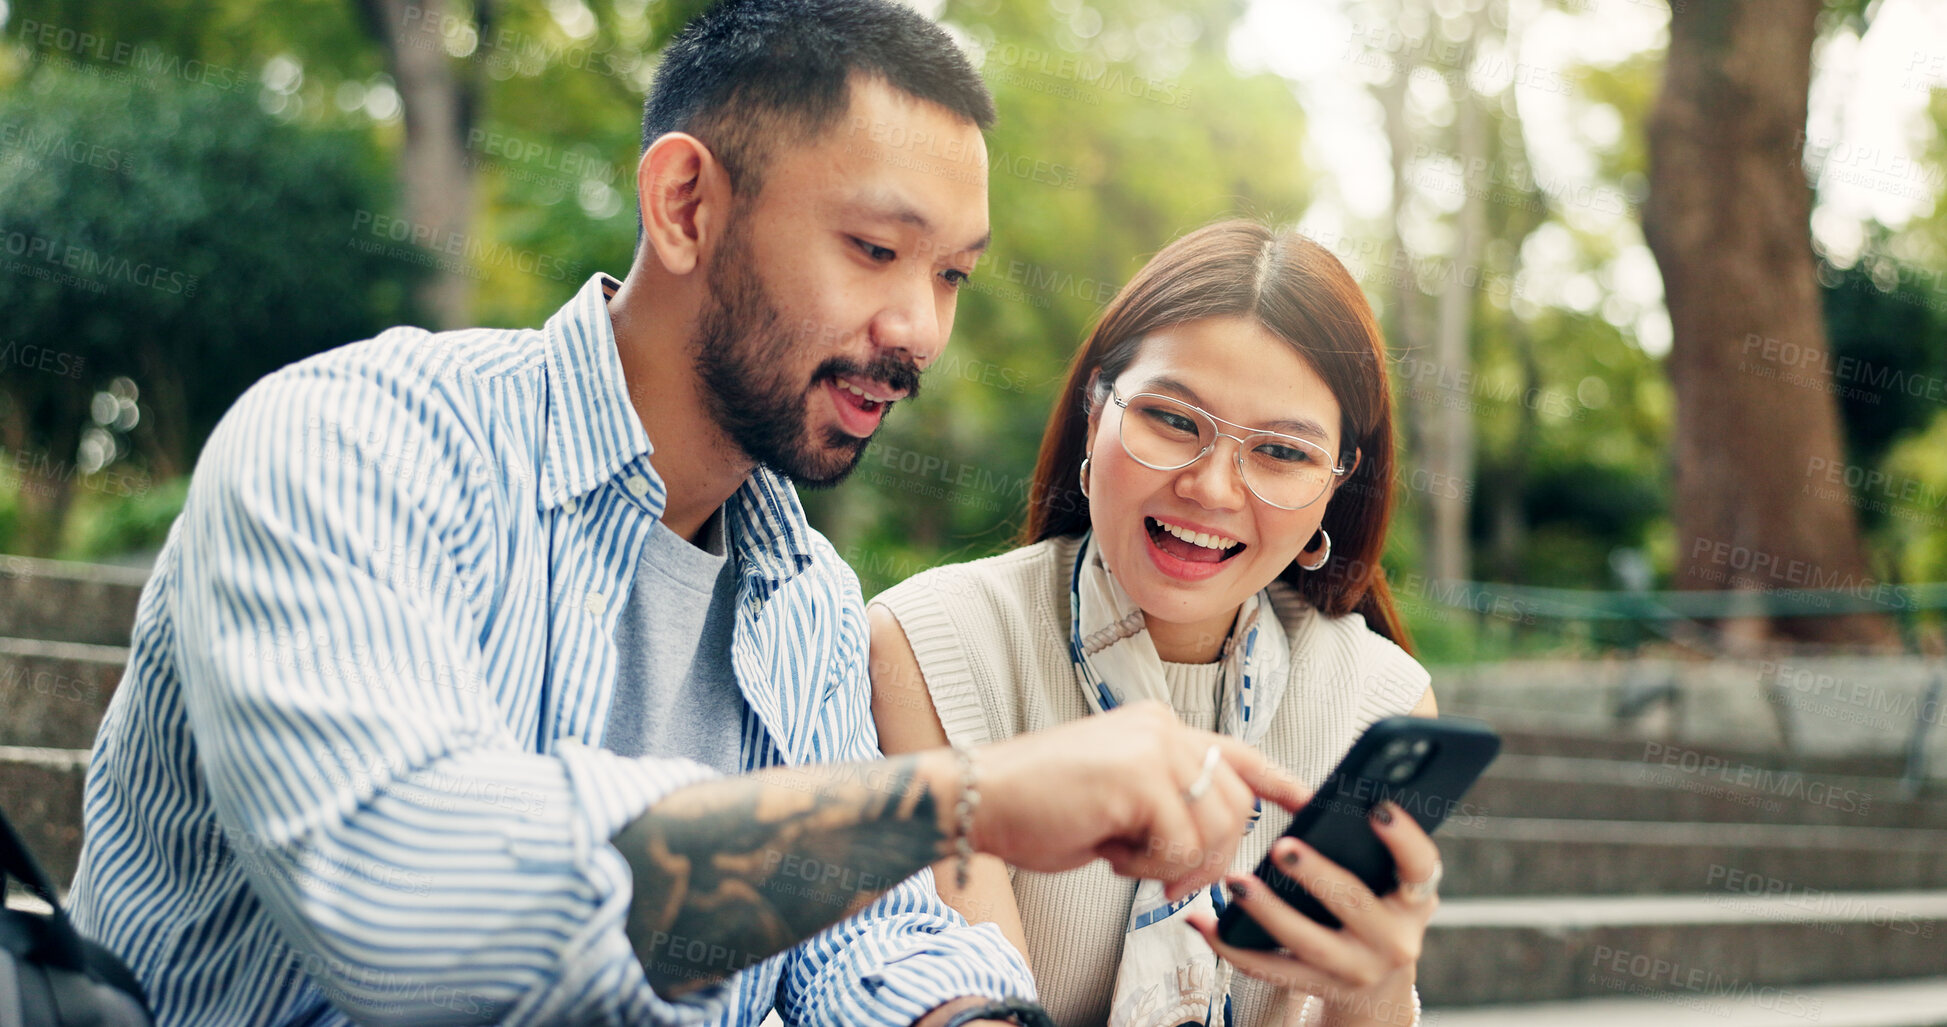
<point x="897" y="373"/>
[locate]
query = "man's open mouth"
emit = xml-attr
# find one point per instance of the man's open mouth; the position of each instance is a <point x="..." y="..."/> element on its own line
<point x="861" y="404"/>
<point x="867" y="396"/>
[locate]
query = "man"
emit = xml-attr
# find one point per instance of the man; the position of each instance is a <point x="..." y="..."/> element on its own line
<point x="453" y="694"/>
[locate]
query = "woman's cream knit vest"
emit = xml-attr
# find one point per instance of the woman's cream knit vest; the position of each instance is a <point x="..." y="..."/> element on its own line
<point x="992" y="642"/>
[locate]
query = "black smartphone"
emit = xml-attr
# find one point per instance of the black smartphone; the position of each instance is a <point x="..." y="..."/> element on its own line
<point x="1424" y="764"/>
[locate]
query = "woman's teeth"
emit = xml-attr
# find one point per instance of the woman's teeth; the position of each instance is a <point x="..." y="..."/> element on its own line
<point x="1198" y="538"/>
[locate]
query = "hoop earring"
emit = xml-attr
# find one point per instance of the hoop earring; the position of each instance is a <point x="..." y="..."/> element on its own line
<point x="1324" y="552"/>
<point x="1084" y="477"/>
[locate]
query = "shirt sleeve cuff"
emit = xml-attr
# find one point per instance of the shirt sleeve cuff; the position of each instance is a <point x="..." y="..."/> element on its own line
<point x="974" y="960"/>
<point x="601" y="980"/>
<point x="907" y="955"/>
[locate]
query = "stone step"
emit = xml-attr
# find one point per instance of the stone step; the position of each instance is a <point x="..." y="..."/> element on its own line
<point x="1626" y="747"/>
<point x="68" y="602"/>
<point x="1517" y="857"/>
<point x="40" y="790"/>
<point x="1565" y="787"/>
<point x="1916" y="1003"/>
<point x="1683" y="949"/>
<point x="54" y="693"/>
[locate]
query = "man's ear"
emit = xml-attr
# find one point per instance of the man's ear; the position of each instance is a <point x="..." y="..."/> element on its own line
<point x="684" y="194"/>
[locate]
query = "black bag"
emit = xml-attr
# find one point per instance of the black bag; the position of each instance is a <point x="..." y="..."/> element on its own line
<point x="50" y="976"/>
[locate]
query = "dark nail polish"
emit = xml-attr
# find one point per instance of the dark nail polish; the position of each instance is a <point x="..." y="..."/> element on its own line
<point x="1290" y="857"/>
<point x="1383" y="813"/>
<point x="1240" y="889"/>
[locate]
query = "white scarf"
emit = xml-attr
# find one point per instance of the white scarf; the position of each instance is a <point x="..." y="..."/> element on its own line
<point x="1169" y="976"/>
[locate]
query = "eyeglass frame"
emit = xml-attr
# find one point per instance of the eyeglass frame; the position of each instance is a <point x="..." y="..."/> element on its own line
<point x="1338" y="471"/>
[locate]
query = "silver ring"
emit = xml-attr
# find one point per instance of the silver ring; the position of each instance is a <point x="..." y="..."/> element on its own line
<point x="1207" y="776"/>
<point x="1421" y="891"/>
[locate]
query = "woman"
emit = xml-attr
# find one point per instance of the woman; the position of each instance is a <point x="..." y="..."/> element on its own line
<point x="1205" y="524"/>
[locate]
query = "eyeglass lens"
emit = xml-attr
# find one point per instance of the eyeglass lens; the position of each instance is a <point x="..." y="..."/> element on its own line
<point x="1168" y="434"/>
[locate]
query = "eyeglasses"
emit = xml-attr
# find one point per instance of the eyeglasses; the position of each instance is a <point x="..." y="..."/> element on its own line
<point x="1168" y="435"/>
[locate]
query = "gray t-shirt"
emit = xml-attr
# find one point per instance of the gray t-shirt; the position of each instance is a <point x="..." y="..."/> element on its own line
<point x="676" y="693"/>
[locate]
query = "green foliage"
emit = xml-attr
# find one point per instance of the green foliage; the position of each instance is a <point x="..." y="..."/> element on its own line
<point x="1886" y="358"/>
<point x="9" y="513"/>
<point x="231" y="38"/>
<point x="1630" y="89"/>
<point x="554" y="142"/>
<point x="174" y="233"/>
<point x="1911" y="503"/>
<point x="1572" y="423"/>
<point x="111" y="526"/>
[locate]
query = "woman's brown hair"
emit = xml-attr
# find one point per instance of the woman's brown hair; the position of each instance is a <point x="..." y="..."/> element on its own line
<point x="1300" y="293"/>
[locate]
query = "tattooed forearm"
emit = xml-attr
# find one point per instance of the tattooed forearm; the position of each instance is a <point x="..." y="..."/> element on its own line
<point x="729" y="872"/>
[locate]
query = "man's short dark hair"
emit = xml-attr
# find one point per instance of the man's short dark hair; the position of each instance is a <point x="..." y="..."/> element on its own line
<point x="746" y="75"/>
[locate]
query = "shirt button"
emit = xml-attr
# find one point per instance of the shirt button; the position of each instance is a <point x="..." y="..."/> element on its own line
<point x="570" y="506"/>
<point x="638" y="485"/>
<point x="756" y="607"/>
<point x="594" y="603"/>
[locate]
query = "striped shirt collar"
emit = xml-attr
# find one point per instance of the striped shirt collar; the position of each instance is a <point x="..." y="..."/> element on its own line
<point x="594" y="436"/>
<point x="593" y="430"/>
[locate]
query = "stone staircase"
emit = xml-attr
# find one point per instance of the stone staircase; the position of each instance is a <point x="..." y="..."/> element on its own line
<point x="1601" y="881"/>
<point x="1592" y="880"/>
<point x="63" y="640"/>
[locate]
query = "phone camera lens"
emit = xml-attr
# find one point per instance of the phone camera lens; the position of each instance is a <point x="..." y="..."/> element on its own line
<point x="1399" y="760"/>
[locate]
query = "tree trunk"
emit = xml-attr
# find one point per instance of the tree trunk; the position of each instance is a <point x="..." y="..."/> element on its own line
<point x="1409" y="328"/>
<point x="433" y="168"/>
<point x="1728" y="220"/>
<point x="1449" y="452"/>
<point x="1510" y="513"/>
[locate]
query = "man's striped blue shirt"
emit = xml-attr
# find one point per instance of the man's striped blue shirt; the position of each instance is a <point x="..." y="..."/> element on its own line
<point x="353" y="770"/>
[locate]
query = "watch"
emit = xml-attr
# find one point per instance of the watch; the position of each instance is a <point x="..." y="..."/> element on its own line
<point x="1019" y="1010"/>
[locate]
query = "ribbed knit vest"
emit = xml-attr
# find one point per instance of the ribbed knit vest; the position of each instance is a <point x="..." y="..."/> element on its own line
<point x="992" y="641"/>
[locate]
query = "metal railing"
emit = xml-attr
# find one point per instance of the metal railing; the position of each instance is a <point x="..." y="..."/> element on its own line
<point x="1698" y="609"/>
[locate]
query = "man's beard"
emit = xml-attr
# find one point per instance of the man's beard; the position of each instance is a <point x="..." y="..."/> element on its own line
<point x="744" y="357"/>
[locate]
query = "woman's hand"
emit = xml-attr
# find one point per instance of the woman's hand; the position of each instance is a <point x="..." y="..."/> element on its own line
<point x="1364" y="970"/>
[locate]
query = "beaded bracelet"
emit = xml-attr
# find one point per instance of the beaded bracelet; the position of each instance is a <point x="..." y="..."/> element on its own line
<point x="963" y="815"/>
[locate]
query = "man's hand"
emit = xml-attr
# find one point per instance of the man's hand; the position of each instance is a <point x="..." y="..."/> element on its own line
<point x="1116" y="786"/>
<point x="731" y="871"/>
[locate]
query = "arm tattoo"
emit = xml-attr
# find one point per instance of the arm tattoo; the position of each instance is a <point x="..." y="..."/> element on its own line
<point x="732" y="871"/>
